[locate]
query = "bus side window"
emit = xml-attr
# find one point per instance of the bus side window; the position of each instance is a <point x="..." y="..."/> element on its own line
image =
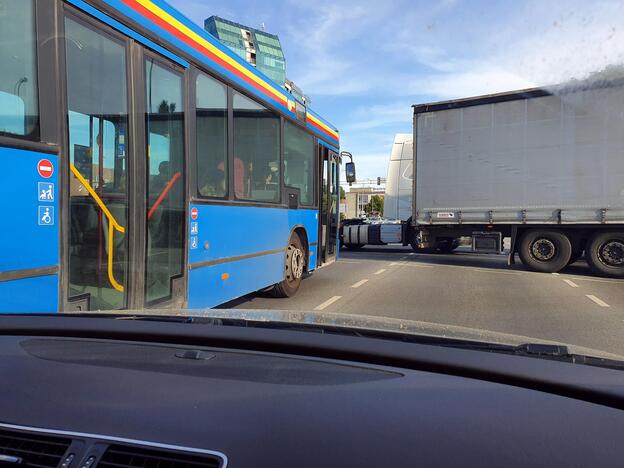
<point x="211" y="115"/>
<point x="19" y="114"/>
<point x="299" y="161"/>
<point x="257" y="147"/>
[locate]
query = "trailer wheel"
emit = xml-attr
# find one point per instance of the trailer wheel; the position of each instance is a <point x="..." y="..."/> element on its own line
<point x="605" y="254"/>
<point x="545" y="251"/>
<point x="294" y="267"/>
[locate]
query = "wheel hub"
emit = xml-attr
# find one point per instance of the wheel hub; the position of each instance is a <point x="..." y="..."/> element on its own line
<point x="543" y="249"/>
<point x="296" y="263"/>
<point x="612" y="253"/>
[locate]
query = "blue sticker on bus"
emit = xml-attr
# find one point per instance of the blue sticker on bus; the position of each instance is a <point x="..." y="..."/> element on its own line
<point x="45" y="191"/>
<point x="46" y="216"/>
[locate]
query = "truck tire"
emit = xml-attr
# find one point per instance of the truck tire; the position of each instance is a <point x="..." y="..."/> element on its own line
<point x="545" y="251"/>
<point x="605" y="254"/>
<point x="294" y="267"/>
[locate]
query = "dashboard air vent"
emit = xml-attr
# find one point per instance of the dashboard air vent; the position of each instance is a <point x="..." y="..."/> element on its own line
<point x="23" y="449"/>
<point x="121" y="456"/>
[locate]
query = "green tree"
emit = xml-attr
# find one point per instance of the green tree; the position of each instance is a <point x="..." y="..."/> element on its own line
<point x="375" y="205"/>
<point x="343" y="195"/>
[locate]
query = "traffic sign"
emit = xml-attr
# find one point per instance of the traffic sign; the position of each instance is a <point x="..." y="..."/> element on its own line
<point x="194" y="213"/>
<point x="45" y="168"/>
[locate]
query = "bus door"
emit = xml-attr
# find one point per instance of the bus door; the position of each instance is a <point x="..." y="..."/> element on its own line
<point x="329" y="217"/>
<point x="125" y="200"/>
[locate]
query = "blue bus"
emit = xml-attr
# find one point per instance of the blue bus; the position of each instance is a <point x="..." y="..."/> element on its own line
<point x="145" y="165"/>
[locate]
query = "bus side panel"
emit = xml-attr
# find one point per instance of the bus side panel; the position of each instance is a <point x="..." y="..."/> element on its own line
<point x="214" y="285"/>
<point x="309" y="220"/>
<point x="235" y="250"/>
<point x="29" y="230"/>
<point x="30" y="295"/>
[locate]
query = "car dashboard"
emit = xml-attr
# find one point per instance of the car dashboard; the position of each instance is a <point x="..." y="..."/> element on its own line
<point x="80" y="393"/>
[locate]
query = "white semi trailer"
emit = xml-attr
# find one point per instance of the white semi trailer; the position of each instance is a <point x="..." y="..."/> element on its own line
<point x="544" y="167"/>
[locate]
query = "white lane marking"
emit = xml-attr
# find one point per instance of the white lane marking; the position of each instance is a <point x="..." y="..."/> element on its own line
<point x="359" y="283"/>
<point x="327" y="303"/>
<point x="412" y="253"/>
<point x="379" y="272"/>
<point x="570" y="283"/>
<point x="403" y="258"/>
<point x="600" y="302"/>
<point x="347" y="261"/>
<point x="555" y="274"/>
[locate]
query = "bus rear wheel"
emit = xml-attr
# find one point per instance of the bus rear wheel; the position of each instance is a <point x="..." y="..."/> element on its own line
<point x="294" y="268"/>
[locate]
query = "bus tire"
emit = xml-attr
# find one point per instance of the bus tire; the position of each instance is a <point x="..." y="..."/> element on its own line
<point x="605" y="254"/>
<point x="294" y="268"/>
<point x="545" y="251"/>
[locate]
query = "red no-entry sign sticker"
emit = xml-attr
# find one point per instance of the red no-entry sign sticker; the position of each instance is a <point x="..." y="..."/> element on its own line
<point x="45" y="168"/>
<point x="194" y="213"/>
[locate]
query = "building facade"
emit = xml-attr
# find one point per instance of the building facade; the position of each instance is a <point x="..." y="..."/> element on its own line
<point x="357" y="198"/>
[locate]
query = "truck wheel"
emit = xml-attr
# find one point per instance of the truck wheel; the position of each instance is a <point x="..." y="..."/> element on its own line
<point x="294" y="267"/>
<point x="545" y="251"/>
<point x="605" y="254"/>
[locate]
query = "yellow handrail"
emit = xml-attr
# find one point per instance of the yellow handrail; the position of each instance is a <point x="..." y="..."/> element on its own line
<point x="111" y="277"/>
<point x="112" y="224"/>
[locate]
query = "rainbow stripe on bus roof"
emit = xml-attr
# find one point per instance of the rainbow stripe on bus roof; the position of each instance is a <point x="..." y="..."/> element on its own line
<point x="159" y="17"/>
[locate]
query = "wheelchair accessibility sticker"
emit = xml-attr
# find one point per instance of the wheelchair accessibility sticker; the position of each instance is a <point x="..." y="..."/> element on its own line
<point x="46" y="216"/>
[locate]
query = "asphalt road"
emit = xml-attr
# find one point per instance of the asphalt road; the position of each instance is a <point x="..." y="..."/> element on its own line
<point x="468" y="290"/>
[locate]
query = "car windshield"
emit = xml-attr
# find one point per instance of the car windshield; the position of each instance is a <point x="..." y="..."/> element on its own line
<point x="450" y="169"/>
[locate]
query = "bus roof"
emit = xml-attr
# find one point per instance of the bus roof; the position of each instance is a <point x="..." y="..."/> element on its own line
<point x="169" y="25"/>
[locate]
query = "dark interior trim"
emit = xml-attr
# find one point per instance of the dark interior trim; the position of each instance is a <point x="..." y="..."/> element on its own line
<point x="587" y="383"/>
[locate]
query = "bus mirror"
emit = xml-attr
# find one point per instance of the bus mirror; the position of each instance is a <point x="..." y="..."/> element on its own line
<point x="350" y="172"/>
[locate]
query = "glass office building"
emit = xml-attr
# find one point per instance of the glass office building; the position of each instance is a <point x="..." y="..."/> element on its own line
<point x="259" y="48"/>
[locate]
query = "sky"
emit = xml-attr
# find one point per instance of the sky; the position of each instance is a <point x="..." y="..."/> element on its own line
<point x="364" y="63"/>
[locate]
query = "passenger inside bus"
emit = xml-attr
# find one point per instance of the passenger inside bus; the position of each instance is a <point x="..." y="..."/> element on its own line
<point x="161" y="180"/>
<point x="214" y="182"/>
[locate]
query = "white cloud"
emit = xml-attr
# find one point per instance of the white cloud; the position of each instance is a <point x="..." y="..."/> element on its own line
<point x="580" y="39"/>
